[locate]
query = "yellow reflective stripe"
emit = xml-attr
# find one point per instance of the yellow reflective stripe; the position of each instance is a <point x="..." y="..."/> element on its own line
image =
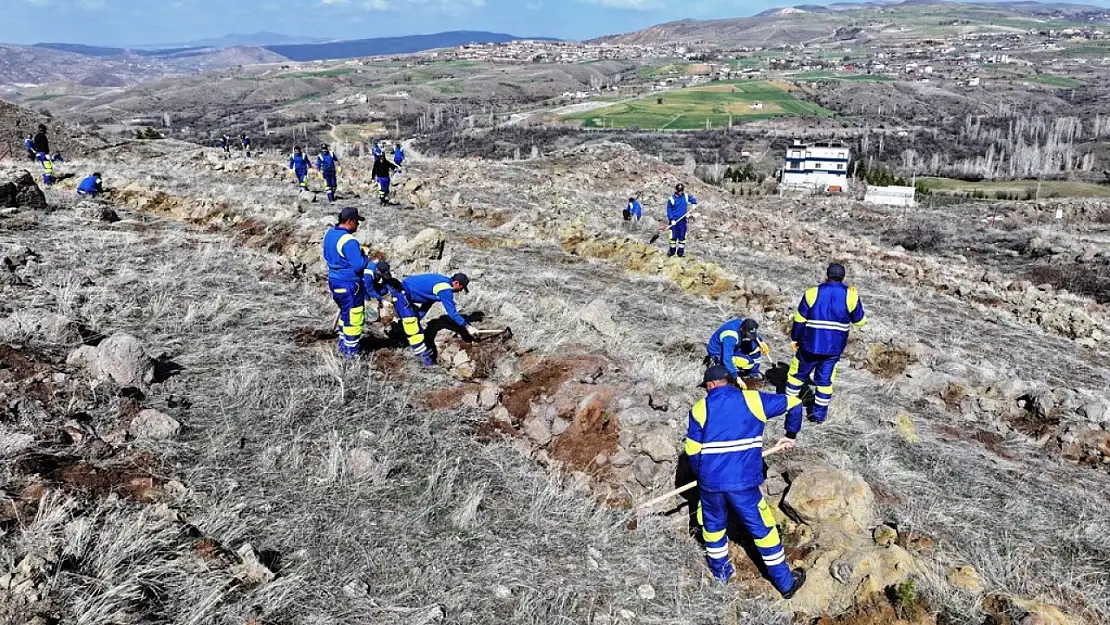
<point x="728" y="333"/>
<point x="811" y="296"/>
<point x="692" y="447"/>
<point x="439" y="287"/>
<point x="799" y="318"/>
<point x="343" y="241"/>
<point x="755" y="404"/>
<point x="700" y="521"/>
<point x="792" y="374"/>
<point x="825" y="389"/>
<point x="341" y="290"/>
<point x="712" y="537"/>
<point x="853" y="298"/>
<point x="698" y="412"/>
<point x="357" y="316"/>
<point x="765" y="513"/>
<point x="742" y="363"/>
<point x="792" y="402"/>
<point x="770" y="540"/>
<point x="862" y="322"/>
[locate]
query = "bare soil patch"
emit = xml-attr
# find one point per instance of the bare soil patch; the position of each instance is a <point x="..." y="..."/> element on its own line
<point x="593" y="431"/>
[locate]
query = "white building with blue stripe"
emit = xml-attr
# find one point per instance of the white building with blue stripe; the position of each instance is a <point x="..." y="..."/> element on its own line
<point x="818" y="167"/>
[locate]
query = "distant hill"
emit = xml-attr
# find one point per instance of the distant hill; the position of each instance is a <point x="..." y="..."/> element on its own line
<point x="809" y="23"/>
<point x="236" y="40"/>
<point x="388" y="45"/>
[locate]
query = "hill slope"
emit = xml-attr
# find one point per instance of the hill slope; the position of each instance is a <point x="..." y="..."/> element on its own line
<point x="387" y="45"/>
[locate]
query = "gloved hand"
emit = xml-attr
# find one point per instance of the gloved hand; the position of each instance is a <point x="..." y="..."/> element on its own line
<point x="787" y="444"/>
<point x="764" y="348"/>
<point x="471" y="330"/>
<point x="672" y="223"/>
<point x="740" y="383"/>
<point x="794" y="345"/>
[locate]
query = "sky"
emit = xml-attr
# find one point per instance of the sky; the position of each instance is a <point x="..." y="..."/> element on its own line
<point x="144" y="22"/>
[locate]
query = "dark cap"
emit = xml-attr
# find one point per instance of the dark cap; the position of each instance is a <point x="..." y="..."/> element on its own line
<point x="679" y="188"/>
<point x="382" y="267"/>
<point x="348" y="213"/>
<point x="716" y="373"/>
<point x="461" y="279"/>
<point x="748" y="327"/>
<point x="835" y="272"/>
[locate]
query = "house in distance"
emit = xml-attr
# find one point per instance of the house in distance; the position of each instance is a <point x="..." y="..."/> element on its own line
<point x="816" y="168"/>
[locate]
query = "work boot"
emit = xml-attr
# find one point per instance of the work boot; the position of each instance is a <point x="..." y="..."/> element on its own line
<point x="670" y="253"/>
<point x="799" y="580"/>
<point x="427" y="360"/>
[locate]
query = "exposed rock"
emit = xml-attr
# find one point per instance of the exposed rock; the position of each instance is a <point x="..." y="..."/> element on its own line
<point x="599" y="316"/>
<point x="646" y="592"/>
<point x="885" y="535"/>
<point x="537" y="429"/>
<point x="659" y="445"/>
<point x="361" y="464"/>
<point x="154" y="425"/>
<point x="643" y="469"/>
<point x="502" y="592"/>
<point x="634" y="417"/>
<point x="489" y="396"/>
<point x="120" y="358"/>
<point x="965" y="577"/>
<point x="824" y="495"/>
<point x="250" y="570"/>
<point x="18" y="190"/>
<point x="418" y="251"/>
<point x="621" y="459"/>
<point x="1095" y="411"/>
<point x="94" y="211"/>
<point x="559" y="426"/>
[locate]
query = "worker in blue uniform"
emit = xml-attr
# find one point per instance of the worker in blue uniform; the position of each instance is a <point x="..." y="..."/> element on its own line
<point x="225" y="145"/>
<point x="724" y="442"/>
<point x="398" y="156"/>
<point x="245" y="143"/>
<point x="824" y="318"/>
<point x="299" y="165"/>
<point x="418" y="294"/>
<point x="678" y="206"/>
<point x="346" y="266"/>
<point x="377" y="150"/>
<point x="376" y="279"/>
<point x="381" y="172"/>
<point x="738" y="347"/>
<point x="47" y="162"/>
<point x="29" y="146"/>
<point x="328" y="166"/>
<point x="91" y="185"/>
<point x="633" y="210"/>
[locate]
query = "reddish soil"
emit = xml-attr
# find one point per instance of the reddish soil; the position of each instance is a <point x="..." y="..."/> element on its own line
<point x="33" y="370"/>
<point x="593" y="431"/>
<point x="126" y="479"/>
<point x="448" y="398"/>
<point x="880" y="611"/>
<point x="991" y="440"/>
<point x="543" y="379"/>
<point x="303" y="337"/>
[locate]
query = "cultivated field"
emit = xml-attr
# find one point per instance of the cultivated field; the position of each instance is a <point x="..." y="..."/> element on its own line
<point x="716" y="105"/>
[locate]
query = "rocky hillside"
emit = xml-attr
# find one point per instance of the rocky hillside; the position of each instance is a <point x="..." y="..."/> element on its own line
<point x="498" y="486"/>
<point x="17" y="122"/>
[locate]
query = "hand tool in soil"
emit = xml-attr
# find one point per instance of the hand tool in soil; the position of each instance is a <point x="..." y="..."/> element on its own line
<point x="505" y="333"/>
<point x="682" y="489"/>
<point x="655" y="237"/>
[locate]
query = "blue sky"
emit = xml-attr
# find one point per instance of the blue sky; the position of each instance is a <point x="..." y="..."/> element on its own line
<point x="137" y="22"/>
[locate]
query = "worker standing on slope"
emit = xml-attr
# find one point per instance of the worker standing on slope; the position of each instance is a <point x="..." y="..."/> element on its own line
<point x="633" y="210"/>
<point x="724" y="442"/>
<point x="376" y="150"/>
<point x="41" y="144"/>
<point x="47" y="169"/>
<point x="398" y="156"/>
<point x="381" y="172"/>
<point x="417" y="294"/>
<point x="245" y="143"/>
<point x="299" y="165"/>
<point x="328" y="166"/>
<point x="91" y="185"/>
<point x="225" y="145"/>
<point x="820" y="333"/>
<point x="738" y="348"/>
<point x="346" y="265"/>
<point x="678" y="206"/>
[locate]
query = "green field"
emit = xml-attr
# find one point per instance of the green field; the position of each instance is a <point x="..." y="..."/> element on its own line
<point x="324" y="73"/>
<point x="825" y="75"/>
<point x="1048" y="188"/>
<point x="689" y="109"/>
<point x="1055" y="81"/>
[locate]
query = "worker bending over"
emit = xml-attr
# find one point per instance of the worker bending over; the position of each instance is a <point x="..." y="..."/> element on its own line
<point x="417" y="294"/>
<point x="398" y="156"/>
<point x="737" y="346"/>
<point x="346" y="265"/>
<point x="91" y="185"/>
<point x="678" y="206"/>
<point x="820" y="333"/>
<point x="724" y="442"/>
<point x="633" y="210"/>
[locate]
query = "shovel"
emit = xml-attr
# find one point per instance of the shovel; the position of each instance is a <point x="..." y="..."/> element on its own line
<point x="682" y="489"/>
<point x="655" y="237"/>
<point x="505" y="333"/>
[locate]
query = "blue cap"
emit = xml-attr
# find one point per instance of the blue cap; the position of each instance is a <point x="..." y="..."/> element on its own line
<point x="348" y="213"/>
<point x="716" y="373"/>
<point x="836" y="272"/>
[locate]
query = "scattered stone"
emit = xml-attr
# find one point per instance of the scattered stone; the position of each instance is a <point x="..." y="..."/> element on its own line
<point x="559" y="426"/>
<point x="1095" y="411"/>
<point x="599" y="316"/>
<point x="965" y="577"/>
<point x="646" y="592"/>
<point x="502" y="592"/>
<point x="537" y="429"/>
<point x="356" y="589"/>
<point x="489" y="396"/>
<point x="361" y="464"/>
<point x="904" y="425"/>
<point x="153" y="425"/>
<point x="417" y="251"/>
<point x="643" y="469"/>
<point x="621" y="459"/>
<point x="120" y="358"/>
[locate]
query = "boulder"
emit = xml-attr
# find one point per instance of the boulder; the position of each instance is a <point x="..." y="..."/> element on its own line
<point x="965" y="577"/>
<point x="153" y="425"/>
<point x="838" y="579"/>
<point x="419" y="250"/>
<point x="599" y="316"/>
<point x="121" y="358"/>
<point x="659" y="445"/>
<point x="537" y="429"/>
<point x="18" y="190"/>
<point x="250" y="570"/>
<point x="1095" y="411"/>
<point x="825" y="496"/>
